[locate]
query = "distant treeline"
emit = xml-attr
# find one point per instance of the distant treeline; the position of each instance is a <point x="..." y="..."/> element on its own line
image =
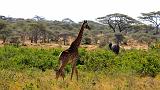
<point x="113" y="27"/>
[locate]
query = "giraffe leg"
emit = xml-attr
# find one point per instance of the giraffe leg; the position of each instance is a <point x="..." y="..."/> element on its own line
<point x="57" y="74"/>
<point x="63" y="74"/>
<point x="73" y="69"/>
<point x="72" y="72"/>
<point x="60" y="72"/>
<point x="76" y="73"/>
<point x="63" y="63"/>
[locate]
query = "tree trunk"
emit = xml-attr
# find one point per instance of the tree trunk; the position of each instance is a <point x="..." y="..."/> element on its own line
<point x="157" y="27"/>
<point x="4" y="40"/>
<point x="35" y="39"/>
<point x="44" y="38"/>
<point x="32" y="39"/>
<point x="111" y="26"/>
<point x="23" y="38"/>
<point x="120" y="29"/>
<point x="35" y="36"/>
<point x="48" y="40"/>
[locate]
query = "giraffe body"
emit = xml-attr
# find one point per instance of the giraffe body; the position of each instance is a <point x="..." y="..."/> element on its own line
<point x="70" y="55"/>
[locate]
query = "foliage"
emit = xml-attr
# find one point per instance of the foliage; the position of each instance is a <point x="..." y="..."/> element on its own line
<point x="145" y="38"/>
<point x="118" y="21"/>
<point x="101" y="60"/>
<point x="23" y="58"/>
<point x="135" y="61"/>
<point x="40" y="30"/>
<point x="3" y="24"/>
<point x="87" y="40"/>
<point x="32" y="68"/>
<point x="153" y="18"/>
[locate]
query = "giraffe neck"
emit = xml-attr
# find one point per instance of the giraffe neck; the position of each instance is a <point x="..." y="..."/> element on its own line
<point x="77" y="41"/>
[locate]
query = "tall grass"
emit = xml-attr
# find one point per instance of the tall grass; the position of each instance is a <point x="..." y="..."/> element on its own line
<point x="33" y="68"/>
<point x="38" y="80"/>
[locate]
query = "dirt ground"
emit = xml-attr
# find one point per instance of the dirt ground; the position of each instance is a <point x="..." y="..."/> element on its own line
<point x="134" y="44"/>
<point x="131" y="44"/>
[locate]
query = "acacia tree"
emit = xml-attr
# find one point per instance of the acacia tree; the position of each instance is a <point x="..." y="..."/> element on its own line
<point x="43" y="32"/>
<point x="56" y="35"/>
<point x="153" y="18"/>
<point x="34" y="32"/>
<point x="3" y="24"/>
<point x="38" y="29"/>
<point x="38" y="18"/>
<point x="22" y="27"/>
<point x="117" y="21"/>
<point x="4" y="34"/>
<point x="64" y="36"/>
<point x="42" y="27"/>
<point x="4" y="30"/>
<point x="68" y="20"/>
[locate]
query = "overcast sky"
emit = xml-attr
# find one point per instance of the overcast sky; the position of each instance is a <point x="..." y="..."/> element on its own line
<point x="77" y="10"/>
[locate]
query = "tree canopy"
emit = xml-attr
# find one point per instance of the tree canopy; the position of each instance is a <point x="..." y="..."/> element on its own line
<point x="117" y="21"/>
<point x="153" y="18"/>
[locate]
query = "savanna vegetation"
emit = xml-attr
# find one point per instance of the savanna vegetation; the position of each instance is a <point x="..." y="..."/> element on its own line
<point x="34" y="68"/>
<point x="113" y="27"/>
<point x="28" y="68"/>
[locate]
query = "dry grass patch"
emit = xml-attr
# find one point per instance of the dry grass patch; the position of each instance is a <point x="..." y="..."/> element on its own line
<point x="37" y="80"/>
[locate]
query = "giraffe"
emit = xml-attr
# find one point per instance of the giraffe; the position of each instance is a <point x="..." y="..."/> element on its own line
<point x="70" y="55"/>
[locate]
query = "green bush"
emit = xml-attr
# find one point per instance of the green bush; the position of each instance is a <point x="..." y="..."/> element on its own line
<point x="131" y="61"/>
<point x="21" y="58"/>
<point x="99" y="60"/>
<point x="87" y="40"/>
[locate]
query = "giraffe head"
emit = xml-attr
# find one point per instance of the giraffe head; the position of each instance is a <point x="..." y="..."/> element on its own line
<point x="85" y="25"/>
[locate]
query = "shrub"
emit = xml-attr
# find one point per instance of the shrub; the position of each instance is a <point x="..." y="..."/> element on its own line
<point x="131" y="61"/>
<point x="87" y="40"/>
<point x="21" y="58"/>
<point x="99" y="60"/>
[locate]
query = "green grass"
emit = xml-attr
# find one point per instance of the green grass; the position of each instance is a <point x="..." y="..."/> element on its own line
<point x="33" y="69"/>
